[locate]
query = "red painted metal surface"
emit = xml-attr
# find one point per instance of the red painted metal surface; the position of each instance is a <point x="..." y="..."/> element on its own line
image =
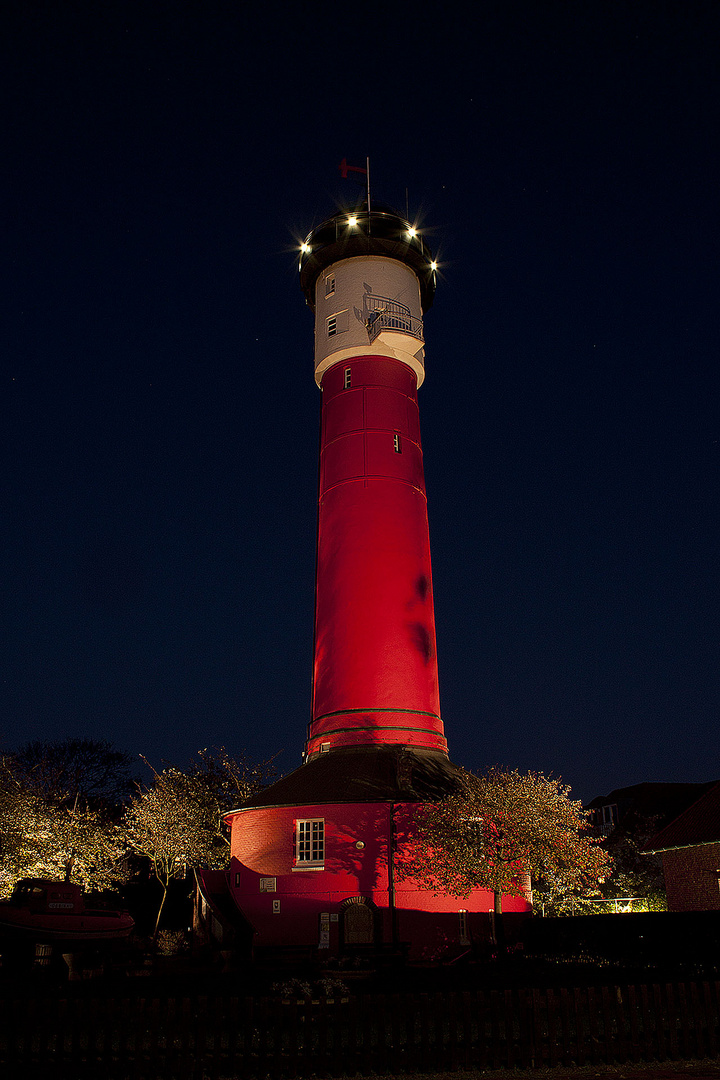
<point x="375" y="675"/>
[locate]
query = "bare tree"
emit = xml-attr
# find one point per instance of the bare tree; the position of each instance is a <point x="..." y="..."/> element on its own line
<point x="92" y="771"/>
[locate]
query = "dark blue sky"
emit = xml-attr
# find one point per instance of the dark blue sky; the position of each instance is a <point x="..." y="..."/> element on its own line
<point x="159" y="419"/>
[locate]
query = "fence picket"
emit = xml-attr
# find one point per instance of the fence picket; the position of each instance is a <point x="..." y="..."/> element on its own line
<point x="397" y="1028"/>
<point x="711" y="1017"/>
<point x="526" y="1045"/>
<point x="509" y="1027"/>
<point x="43" y="1033"/>
<point x="649" y="1040"/>
<point x="632" y="1008"/>
<point x="354" y="1037"/>
<point x="671" y="1017"/>
<point x="553" y="1037"/>
<point x="496" y="1030"/>
<point x="93" y="1023"/>
<point x="699" y="1020"/>
<point x="686" y="1021"/>
<point x="579" y="1017"/>
<point x="565" y="1026"/>
<point x="607" y="1040"/>
<point x="75" y="1030"/>
<point x="658" y="1017"/>
<point x="248" y="1031"/>
<point x="441" y="1023"/>
<point x="619" y="1018"/>
<point x="483" y="1043"/>
<point x="186" y="1046"/>
<point x="595" y="1054"/>
<point x="58" y="1037"/>
<point x="367" y="1044"/>
<point x="467" y="1039"/>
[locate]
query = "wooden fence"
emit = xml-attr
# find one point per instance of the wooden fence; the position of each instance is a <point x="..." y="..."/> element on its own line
<point x="208" y="1038"/>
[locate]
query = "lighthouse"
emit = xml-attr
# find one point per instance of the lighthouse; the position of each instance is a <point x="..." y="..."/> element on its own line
<point x="369" y="278"/>
<point x="315" y="857"/>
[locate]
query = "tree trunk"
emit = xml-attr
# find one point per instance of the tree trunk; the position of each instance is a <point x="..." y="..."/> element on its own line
<point x="160" y="910"/>
<point x="499" y="924"/>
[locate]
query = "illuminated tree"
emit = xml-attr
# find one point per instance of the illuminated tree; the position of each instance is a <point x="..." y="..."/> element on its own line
<point x="494" y="830"/>
<point x="176" y="820"/>
<point x="46" y="832"/>
<point x="17" y="850"/>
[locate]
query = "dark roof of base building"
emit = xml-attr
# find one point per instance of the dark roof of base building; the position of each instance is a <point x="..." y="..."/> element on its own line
<point x="699" y="824"/>
<point x="363" y="774"/>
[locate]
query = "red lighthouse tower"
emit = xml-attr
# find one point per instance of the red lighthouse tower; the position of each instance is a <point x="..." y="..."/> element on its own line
<point x="314" y="856"/>
<point x="369" y="278"/>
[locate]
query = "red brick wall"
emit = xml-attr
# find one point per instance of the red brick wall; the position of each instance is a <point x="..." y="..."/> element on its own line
<point x="691" y="878"/>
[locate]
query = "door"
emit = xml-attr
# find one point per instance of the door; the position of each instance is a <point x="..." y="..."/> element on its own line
<point x="358" y="925"/>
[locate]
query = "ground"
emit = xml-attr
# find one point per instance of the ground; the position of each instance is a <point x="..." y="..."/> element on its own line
<point x="658" y="1070"/>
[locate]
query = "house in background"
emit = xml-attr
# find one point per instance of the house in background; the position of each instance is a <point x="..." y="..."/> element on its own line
<point x="633" y="807"/>
<point x="627" y="819"/>
<point x="690" y="850"/>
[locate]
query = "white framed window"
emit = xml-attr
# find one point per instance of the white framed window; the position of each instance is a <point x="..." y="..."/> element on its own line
<point x="310" y="842"/>
<point x="397" y="443"/>
<point x="337" y="323"/>
<point x="348" y="378"/>
<point x="329" y="284"/>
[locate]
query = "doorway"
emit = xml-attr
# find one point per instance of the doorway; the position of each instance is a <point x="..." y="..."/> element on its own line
<point x="358" y="922"/>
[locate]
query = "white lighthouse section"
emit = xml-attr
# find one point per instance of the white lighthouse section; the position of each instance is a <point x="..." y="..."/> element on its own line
<point x="368" y="305"/>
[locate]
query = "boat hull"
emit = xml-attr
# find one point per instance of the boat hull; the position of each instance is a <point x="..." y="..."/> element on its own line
<point x="31" y="926"/>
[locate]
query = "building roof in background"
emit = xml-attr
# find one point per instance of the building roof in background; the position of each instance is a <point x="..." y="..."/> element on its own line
<point x="697" y="824"/>
<point x="648" y="799"/>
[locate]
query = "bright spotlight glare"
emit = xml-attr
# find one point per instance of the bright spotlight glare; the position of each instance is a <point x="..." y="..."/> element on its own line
<point x="352" y="222"/>
<point x="412" y="232"/>
<point x="433" y="266"/>
<point x="305" y="248"/>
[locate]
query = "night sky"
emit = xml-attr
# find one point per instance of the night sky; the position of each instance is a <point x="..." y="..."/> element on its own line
<point x="159" y="418"/>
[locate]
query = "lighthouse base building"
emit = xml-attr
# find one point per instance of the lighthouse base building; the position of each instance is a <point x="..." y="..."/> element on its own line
<point x="316" y="864"/>
<point x="317" y="858"/>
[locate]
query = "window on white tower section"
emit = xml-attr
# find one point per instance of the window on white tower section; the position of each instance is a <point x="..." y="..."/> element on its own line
<point x="310" y="842"/>
<point x="329" y="284"/>
<point x="332" y="325"/>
